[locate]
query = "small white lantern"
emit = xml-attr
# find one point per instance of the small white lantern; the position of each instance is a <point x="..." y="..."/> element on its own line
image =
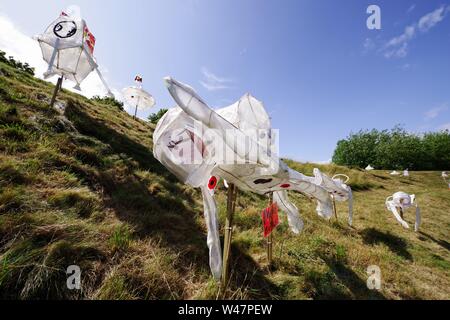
<point x="138" y="97"/>
<point x="68" y="47"/>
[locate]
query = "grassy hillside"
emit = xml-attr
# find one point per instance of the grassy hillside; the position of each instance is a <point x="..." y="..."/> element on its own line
<point x="79" y="185"/>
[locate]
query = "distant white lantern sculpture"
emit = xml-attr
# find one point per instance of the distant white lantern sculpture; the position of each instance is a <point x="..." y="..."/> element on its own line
<point x="406" y="173"/>
<point x="68" y="47"/>
<point x="138" y="97"/>
<point x="445" y="177"/>
<point x="395" y="173"/>
<point x="369" y="168"/>
<point x="190" y="140"/>
<point x="401" y="201"/>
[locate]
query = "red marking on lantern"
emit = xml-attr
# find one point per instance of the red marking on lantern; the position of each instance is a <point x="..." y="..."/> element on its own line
<point x="212" y="183"/>
<point x="285" y="186"/>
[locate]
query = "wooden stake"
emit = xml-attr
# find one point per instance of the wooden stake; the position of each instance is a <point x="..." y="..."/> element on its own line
<point x="270" y="238"/>
<point x="55" y="92"/>
<point x="135" y="110"/>
<point x="334" y="209"/>
<point x="231" y="206"/>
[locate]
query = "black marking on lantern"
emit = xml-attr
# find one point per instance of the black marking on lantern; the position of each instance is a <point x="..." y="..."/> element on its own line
<point x="65" y="29"/>
<point x="262" y="181"/>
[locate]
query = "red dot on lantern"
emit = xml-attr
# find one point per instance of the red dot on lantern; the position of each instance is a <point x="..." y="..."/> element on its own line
<point x="285" y="186"/>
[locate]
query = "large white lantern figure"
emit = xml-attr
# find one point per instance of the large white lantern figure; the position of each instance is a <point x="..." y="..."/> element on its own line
<point x="68" y="47"/>
<point x="182" y="144"/>
<point x="138" y="97"/>
<point x="445" y="177"/>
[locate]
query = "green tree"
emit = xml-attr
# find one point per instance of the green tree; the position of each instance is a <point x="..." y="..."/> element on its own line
<point x="109" y="101"/>
<point x="358" y="150"/>
<point x="395" y="149"/>
<point x="437" y="149"/>
<point x="25" y="67"/>
<point x="155" y="117"/>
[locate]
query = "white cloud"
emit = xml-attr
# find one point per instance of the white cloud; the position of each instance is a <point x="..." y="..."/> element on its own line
<point x="17" y="44"/>
<point x="429" y="20"/>
<point x="406" y="67"/>
<point x="435" y="112"/>
<point x="213" y="82"/>
<point x="411" y="8"/>
<point x="397" y="47"/>
<point x="368" y="45"/>
<point x="444" y="127"/>
<point x="23" y="48"/>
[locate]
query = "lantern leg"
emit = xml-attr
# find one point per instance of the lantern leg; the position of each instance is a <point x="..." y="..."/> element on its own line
<point x="55" y="92"/>
<point x="109" y="93"/>
<point x="270" y="237"/>
<point x="49" y="73"/>
<point x="231" y="206"/>
<point x="95" y="66"/>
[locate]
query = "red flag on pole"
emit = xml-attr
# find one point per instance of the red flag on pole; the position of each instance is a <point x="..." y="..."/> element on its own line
<point x="270" y="219"/>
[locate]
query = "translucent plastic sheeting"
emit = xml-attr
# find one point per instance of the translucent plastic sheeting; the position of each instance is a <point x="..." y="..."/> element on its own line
<point x="338" y="189"/>
<point x="138" y="97"/>
<point x="404" y="201"/>
<point x="213" y="238"/>
<point x="178" y="131"/>
<point x="294" y="220"/>
<point x="68" y="46"/>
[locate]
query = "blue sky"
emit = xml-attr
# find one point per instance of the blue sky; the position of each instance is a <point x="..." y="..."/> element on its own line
<point x="319" y="70"/>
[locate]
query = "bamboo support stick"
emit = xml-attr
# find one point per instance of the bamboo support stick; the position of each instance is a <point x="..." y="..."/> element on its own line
<point x="270" y="238"/>
<point x="334" y="209"/>
<point x="231" y="206"/>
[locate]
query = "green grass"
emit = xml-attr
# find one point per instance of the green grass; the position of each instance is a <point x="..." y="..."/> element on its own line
<point x="84" y="188"/>
<point x="120" y="238"/>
